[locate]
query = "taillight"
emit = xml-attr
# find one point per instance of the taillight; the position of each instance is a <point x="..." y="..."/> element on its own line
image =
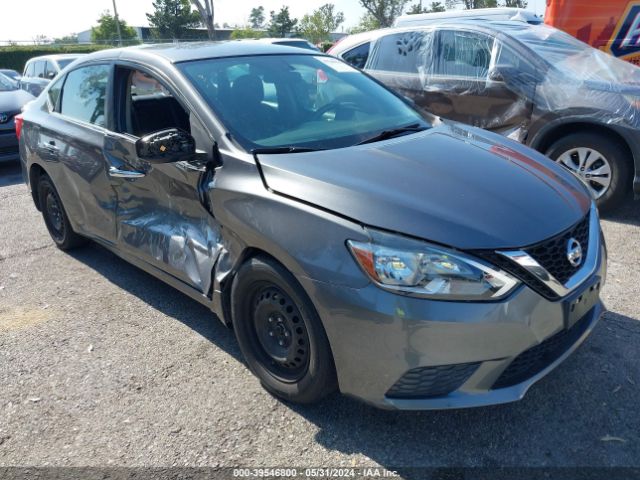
<point x="18" y="121"/>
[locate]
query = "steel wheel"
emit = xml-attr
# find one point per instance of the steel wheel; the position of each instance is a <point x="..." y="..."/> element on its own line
<point x="591" y="166"/>
<point x="281" y="333"/>
<point x="54" y="216"/>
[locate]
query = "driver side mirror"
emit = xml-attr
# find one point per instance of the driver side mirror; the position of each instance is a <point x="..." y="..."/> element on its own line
<point x="166" y="146"/>
<point x="51" y="75"/>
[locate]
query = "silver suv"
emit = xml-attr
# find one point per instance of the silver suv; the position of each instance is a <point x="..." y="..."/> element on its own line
<point x="39" y="71"/>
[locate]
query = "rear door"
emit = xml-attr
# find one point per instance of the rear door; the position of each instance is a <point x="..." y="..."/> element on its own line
<point x="72" y="139"/>
<point x="161" y="214"/>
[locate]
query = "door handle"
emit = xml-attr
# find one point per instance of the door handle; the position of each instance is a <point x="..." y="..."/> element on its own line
<point x="117" y="173"/>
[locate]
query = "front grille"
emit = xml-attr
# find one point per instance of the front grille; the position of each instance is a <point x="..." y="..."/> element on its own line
<point x="9" y="150"/>
<point x="552" y="253"/>
<point x="426" y="382"/>
<point x="537" y="358"/>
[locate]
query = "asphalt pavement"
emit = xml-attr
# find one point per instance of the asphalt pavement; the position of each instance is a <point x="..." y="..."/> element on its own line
<point x="102" y="365"/>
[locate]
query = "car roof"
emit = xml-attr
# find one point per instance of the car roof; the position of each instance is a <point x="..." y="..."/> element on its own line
<point x="56" y="56"/>
<point x="488" y="26"/>
<point x="183" y="52"/>
<point x="478" y="14"/>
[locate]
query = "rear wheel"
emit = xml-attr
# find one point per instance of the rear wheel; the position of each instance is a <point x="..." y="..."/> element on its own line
<point x="55" y="217"/>
<point x="600" y="162"/>
<point x="280" y="333"/>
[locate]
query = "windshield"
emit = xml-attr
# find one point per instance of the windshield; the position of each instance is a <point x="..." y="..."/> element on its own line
<point x="63" y="62"/>
<point x="6" y="83"/>
<point x="574" y="58"/>
<point x="298" y="101"/>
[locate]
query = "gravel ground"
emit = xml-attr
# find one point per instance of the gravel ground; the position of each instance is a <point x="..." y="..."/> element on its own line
<point x="101" y="364"/>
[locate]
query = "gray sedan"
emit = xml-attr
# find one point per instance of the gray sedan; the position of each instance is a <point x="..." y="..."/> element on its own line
<point x="350" y="241"/>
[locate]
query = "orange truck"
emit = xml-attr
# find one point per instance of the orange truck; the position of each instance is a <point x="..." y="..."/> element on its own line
<point x="612" y="26"/>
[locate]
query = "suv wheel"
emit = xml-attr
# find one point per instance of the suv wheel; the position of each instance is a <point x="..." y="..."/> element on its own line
<point x="55" y="217"/>
<point x="600" y="162"/>
<point x="280" y="333"/>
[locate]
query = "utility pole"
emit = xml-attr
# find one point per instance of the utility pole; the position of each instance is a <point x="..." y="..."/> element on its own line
<point x="115" y="14"/>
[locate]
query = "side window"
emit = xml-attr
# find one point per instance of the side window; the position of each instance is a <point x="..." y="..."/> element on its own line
<point x="357" y="56"/>
<point x="399" y="52"/>
<point x="28" y="70"/>
<point x="50" y="70"/>
<point x="83" y="94"/>
<point x="39" y="69"/>
<point x="463" y="54"/>
<point x="54" y="94"/>
<point x="147" y="106"/>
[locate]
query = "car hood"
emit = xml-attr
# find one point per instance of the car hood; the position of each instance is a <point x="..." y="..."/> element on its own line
<point x="457" y="186"/>
<point x="13" y="100"/>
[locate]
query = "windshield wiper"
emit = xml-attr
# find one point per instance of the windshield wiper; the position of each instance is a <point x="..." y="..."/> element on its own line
<point x="277" y="150"/>
<point x="414" y="127"/>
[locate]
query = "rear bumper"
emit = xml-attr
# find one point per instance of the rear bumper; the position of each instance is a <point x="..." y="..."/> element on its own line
<point x="379" y="340"/>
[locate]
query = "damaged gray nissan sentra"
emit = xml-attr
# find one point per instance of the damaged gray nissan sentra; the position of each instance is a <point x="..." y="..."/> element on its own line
<point x="349" y="241"/>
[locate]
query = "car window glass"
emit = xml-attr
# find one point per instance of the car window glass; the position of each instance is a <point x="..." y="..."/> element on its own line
<point x="63" y="62"/>
<point x="83" y="94"/>
<point x="50" y="70"/>
<point x="296" y="100"/>
<point x="357" y="56"/>
<point x="39" y="69"/>
<point x="463" y="54"/>
<point x="54" y="94"/>
<point x="399" y="52"/>
<point x="29" y="69"/>
<point x="149" y="106"/>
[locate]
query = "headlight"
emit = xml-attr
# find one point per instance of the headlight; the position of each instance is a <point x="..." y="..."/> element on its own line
<point x="421" y="269"/>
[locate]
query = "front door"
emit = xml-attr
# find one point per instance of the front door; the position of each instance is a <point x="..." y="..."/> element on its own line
<point x="161" y="215"/>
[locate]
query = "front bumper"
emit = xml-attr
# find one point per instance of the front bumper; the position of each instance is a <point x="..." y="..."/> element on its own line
<point x="378" y="337"/>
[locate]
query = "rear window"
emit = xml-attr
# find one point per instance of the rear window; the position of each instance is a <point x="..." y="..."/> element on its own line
<point x="63" y="62"/>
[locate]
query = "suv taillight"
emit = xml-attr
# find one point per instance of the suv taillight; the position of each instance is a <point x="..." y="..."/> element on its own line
<point x="18" y="121"/>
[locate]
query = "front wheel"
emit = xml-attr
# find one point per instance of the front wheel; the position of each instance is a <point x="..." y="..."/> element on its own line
<point x="600" y="162"/>
<point x="280" y="333"/>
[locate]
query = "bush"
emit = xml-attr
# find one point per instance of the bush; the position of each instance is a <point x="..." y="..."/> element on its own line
<point x="15" y="57"/>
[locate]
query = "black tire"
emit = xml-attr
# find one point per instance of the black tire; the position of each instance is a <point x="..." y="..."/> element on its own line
<point x="55" y="216"/>
<point x="615" y="153"/>
<point x="267" y="303"/>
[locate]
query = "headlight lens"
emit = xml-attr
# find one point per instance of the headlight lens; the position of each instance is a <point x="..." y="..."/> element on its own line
<point x="431" y="271"/>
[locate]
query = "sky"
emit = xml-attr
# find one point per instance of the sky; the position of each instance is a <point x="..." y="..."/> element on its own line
<point x="23" y="20"/>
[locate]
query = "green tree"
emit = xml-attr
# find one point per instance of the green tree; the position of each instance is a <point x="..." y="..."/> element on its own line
<point x="317" y="26"/>
<point x="417" y="8"/>
<point x="106" y="31"/>
<point x="172" y="18"/>
<point x="516" y="3"/>
<point x="256" y="17"/>
<point x="281" y="23"/>
<point x="384" y="11"/>
<point x="67" y="39"/>
<point x="246" y="32"/>
<point x="471" y="4"/>
<point x="367" y="23"/>
<point x="437" y="7"/>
